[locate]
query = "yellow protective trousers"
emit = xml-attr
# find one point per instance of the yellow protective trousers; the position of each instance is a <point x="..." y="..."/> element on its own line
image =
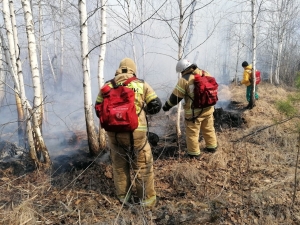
<point x="140" y="161"/>
<point x="205" y="124"/>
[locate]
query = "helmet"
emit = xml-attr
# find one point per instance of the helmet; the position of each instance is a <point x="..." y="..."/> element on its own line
<point x="128" y="63"/>
<point x="182" y="65"/>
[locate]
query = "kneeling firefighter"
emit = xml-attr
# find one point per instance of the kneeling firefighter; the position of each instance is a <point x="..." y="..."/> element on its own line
<point x="196" y="119"/>
<point x="131" y="149"/>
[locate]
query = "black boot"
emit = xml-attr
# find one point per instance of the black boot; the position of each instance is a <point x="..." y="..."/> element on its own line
<point x="210" y="150"/>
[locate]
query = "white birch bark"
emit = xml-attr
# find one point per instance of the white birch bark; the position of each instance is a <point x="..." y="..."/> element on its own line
<point x="51" y="66"/>
<point x="252" y="101"/>
<point x="9" y="17"/>
<point x="271" y="69"/>
<point x="40" y="43"/>
<point x="22" y="108"/>
<point x="102" y="44"/>
<point x="102" y="139"/>
<point x="36" y="112"/>
<point x="61" y="30"/>
<point x="32" y="51"/>
<point x="53" y="61"/>
<point x="142" y="71"/>
<point x="9" y="65"/>
<point x="279" y="53"/>
<point x="131" y="34"/>
<point x="25" y="105"/>
<point x="180" y="54"/>
<point x="2" y="75"/>
<point x="272" y="57"/>
<point x="88" y="105"/>
<point x="10" y="37"/>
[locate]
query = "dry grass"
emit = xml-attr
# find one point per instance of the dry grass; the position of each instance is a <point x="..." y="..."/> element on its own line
<point x="251" y="179"/>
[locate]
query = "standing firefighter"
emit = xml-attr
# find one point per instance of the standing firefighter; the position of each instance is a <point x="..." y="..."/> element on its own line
<point x="247" y="79"/>
<point x="196" y="119"/>
<point x="129" y="146"/>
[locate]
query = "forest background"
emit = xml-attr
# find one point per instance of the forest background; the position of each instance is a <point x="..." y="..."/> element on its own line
<point x="215" y="34"/>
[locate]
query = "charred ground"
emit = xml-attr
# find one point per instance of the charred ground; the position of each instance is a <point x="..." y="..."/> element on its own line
<point x="251" y="179"/>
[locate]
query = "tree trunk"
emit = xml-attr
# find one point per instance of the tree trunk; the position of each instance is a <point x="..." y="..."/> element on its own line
<point x="40" y="43"/>
<point x="253" y="78"/>
<point x="277" y="70"/>
<point x="26" y="107"/>
<point x="37" y="103"/>
<point x="9" y="18"/>
<point x="102" y="136"/>
<point x="272" y="63"/>
<point x="61" y="66"/>
<point x="2" y="75"/>
<point x="131" y="35"/>
<point x="180" y="54"/>
<point x="36" y="112"/>
<point x="88" y="106"/>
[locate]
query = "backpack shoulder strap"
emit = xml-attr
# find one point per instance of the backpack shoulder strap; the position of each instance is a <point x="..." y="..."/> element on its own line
<point x="198" y="75"/>
<point x="129" y="80"/>
<point x="203" y="73"/>
<point x="113" y="82"/>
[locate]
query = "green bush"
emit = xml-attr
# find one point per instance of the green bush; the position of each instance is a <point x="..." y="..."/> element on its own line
<point x="297" y="80"/>
<point x="286" y="107"/>
<point x="294" y="98"/>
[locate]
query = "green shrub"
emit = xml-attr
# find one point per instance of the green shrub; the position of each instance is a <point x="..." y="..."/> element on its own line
<point x="297" y="80"/>
<point x="286" y="107"/>
<point x="294" y="98"/>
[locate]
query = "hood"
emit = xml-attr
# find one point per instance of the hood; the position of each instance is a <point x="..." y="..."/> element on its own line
<point x="127" y="65"/>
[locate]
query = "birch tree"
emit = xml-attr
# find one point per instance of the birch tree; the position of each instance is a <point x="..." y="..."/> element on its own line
<point x="33" y="60"/>
<point x="61" y="55"/>
<point x="39" y="156"/>
<point x="12" y="43"/>
<point x="180" y="54"/>
<point x="185" y="23"/>
<point x="88" y="105"/>
<point x="40" y="49"/>
<point x="39" y="151"/>
<point x="102" y="139"/>
<point x="2" y="75"/>
<point x="281" y="15"/>
<point x="130" y="26"/>
<point x="253" y="84"/>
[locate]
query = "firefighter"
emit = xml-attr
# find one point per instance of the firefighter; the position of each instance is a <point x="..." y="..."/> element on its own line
<point x="202" y="120"/>
<point x="131" y="150"/>
<point x="247" y="77"/>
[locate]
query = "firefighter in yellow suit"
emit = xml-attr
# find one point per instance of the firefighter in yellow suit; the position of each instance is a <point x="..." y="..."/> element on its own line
<point x="196" y="119"/>
<point x="139" y="158"/>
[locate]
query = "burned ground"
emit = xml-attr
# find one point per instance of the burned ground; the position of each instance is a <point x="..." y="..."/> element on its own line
<point x="251" y="179"/>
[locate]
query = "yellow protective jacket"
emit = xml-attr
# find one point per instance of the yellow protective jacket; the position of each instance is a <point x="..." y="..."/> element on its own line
<point x="144" y="94"/>
<point x="184" y="89"/>
<point x="247" y="75"/>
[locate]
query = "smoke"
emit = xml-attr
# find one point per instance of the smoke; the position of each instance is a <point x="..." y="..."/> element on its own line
<point x="224" y="95"/>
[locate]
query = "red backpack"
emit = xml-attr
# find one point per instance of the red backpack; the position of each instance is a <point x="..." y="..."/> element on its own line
<point x="257" y="77"/>
<point x="117" y="112"/>
<point x="205" y="91"/>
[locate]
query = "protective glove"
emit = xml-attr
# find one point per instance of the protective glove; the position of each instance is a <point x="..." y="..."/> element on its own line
<point x="153" y="107"/>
